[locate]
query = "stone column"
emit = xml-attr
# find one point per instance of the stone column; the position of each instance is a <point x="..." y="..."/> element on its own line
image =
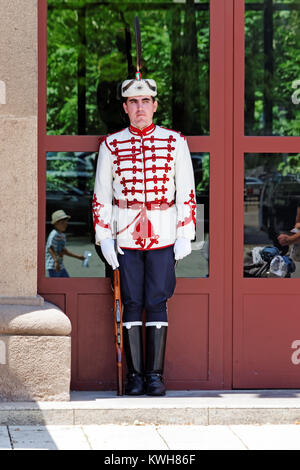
<point x="34" y="336"/>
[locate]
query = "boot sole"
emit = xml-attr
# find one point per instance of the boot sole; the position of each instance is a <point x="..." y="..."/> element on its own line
<point x="134" y="394"/>
<point x="155" y="394"/>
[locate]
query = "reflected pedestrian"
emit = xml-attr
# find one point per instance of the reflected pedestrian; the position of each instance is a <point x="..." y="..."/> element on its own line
<point x="294" y="236"/>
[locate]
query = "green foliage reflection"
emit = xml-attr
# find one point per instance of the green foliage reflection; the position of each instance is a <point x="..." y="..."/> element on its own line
<point x="91" y="49"/>
<point x="272" y="66"/>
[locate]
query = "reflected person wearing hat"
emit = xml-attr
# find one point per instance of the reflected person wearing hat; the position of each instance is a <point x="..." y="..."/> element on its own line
<point x="56" y="246"/>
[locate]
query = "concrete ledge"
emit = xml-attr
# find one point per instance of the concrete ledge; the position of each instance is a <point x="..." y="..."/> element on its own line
<point x="190" y="407"/>
<point x="36" y="300"/>
<point x="45" y="319"/>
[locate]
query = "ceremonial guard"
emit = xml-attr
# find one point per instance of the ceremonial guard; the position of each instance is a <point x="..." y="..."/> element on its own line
<point x="144" y="182"/>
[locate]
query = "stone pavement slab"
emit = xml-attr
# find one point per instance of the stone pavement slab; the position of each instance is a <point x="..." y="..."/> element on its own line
<point x="112" y="437"/>
<point x="200" y="438"/>
<point x="48" y="438"/>
<point x="4" y="438"/>
<point x="282" y="437"/>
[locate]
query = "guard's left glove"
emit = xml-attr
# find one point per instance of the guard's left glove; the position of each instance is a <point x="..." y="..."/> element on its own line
<point x="182" y="248"/>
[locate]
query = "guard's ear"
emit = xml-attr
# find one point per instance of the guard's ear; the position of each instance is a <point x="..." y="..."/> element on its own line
<point x="125" y="107"/>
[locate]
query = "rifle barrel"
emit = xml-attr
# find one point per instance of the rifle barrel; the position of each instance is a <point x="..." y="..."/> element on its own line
<point x="118" y="330"/>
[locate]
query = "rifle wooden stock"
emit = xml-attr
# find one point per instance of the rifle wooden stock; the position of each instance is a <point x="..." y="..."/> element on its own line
<point x="118" y="326"/>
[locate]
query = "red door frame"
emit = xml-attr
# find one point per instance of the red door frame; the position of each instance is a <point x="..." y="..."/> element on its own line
<point x="210" y="298"/>
<point x="265" y="320"/>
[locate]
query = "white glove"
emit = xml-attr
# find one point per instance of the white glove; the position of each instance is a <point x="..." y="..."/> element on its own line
<point x="108" y="250"/>
<point x="182" y="248"/>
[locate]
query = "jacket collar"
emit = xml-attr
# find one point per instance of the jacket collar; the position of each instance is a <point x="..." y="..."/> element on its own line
<point x="142" y="132"/>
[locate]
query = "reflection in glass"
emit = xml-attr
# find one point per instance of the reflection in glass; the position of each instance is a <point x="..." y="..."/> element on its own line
<point x="197" y="263"/>
<point x="271" y="214"/>
<point x="272" y="65"/>
<point x="70" y="186"/>
<point x="91" y="50"/>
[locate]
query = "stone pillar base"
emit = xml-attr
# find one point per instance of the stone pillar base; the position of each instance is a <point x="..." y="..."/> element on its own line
<point x="35" y="353"/>
<point x="37" y="368"/>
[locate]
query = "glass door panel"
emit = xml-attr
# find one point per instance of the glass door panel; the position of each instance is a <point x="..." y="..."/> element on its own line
<point x="272" y="215"/>
<point x="91" y="50"/>
<point x="69" y="187"/>
<point x="272" y="64"/>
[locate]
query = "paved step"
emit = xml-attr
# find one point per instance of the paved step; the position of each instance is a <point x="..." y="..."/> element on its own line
<point x="176" y="408"/>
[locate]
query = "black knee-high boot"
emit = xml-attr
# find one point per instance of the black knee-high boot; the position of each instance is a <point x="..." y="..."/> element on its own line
<point x="133" y="348"/>
<point x="155" y="357"/>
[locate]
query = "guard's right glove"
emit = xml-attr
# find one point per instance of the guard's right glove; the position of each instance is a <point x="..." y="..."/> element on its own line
<point x="108" y="249"/>
<point x="182" y="248"/>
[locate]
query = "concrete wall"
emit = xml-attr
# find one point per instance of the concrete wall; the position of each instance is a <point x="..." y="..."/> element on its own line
<point x="35" y="338"/>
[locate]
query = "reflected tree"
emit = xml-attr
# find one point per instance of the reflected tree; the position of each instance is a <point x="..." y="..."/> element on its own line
<point x="86" y="69"/>
<point x="272" y="64"/>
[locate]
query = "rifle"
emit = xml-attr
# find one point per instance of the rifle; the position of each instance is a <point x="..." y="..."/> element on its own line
<point x="118" y="324"/>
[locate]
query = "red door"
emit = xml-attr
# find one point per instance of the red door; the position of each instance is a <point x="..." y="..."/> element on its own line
<point x="199" y="339"/>
<point x="266" y="321"/>
<point x="225" y="331"/>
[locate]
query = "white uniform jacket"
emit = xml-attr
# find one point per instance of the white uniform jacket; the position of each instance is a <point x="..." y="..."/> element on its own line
<point x="144" y="182"/>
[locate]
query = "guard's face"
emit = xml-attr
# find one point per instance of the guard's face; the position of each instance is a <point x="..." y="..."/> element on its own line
<point x="140" y="110"/>
<point x="61" y="225"/>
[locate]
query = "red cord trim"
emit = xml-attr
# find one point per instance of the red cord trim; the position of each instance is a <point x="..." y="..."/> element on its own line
<point x="192" y="216"/>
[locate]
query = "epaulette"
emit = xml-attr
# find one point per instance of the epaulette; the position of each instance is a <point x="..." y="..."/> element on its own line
<point x="176" y="132"/>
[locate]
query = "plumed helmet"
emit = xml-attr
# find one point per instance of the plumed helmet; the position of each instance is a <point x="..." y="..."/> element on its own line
<point x="138" y="86"/>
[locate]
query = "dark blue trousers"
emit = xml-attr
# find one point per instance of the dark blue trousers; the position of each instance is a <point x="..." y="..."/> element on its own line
<point x="147" y="281"/>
